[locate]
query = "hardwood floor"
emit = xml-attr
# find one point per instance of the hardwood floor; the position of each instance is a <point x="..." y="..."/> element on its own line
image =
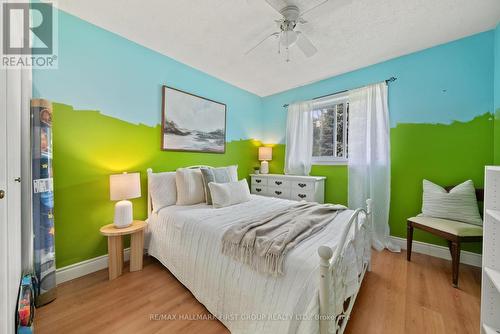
<point x="396" y="297"/>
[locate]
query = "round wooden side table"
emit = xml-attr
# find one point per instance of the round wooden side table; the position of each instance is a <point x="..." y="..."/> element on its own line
<point x="115" y="246"/>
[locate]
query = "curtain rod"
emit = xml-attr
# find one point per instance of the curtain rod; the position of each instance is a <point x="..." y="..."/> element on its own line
<point x="391" y="79"/>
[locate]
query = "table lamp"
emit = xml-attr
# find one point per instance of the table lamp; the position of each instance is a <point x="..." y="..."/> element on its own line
<point x="123" y="187"/>
<point x="265" y="154"/>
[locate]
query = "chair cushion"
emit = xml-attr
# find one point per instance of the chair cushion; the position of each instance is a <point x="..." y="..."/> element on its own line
<point x="449" y="226"/>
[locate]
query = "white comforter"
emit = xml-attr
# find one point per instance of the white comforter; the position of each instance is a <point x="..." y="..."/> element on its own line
<point x="187" y="240"/>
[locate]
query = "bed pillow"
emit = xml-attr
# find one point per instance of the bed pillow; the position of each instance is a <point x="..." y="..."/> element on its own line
<point x="162" y="190"/>
<point x="459" y="204"/>
<point x="189" y="186"/>
<point x="231" y="193"/>
<point x="217" y="175"/>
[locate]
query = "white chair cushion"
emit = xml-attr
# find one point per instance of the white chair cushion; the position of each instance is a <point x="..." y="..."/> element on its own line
<point x="449" y="226"/>
<point x="459" y="204"/>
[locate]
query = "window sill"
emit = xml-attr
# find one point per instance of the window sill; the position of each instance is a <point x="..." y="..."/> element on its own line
<point x="330" y="163"/>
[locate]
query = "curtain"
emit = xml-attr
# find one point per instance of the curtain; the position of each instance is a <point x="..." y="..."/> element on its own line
<point x="299" y="138"/>
<point x="369" y="158"/>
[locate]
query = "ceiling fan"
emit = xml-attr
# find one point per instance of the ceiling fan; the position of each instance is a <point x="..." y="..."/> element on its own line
<point x="288" y="36"/>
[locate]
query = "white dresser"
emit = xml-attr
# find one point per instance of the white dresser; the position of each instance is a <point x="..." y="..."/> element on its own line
<point x="307" y="188"/>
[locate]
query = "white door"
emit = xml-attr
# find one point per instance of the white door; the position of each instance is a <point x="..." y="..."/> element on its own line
<point x="10" y="204"/>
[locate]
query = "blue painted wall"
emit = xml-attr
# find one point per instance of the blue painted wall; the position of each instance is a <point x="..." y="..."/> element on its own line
<point x="446" y="83"/>
<point x="99" y="70"/>
<point x="497" y="67"/>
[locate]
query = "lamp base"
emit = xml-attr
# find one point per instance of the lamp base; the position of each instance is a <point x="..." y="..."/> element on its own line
<point x="123" y="214"/>
<point x="264" y="167"/>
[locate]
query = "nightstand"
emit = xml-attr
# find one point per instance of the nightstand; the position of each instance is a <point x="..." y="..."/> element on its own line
<point x="115" y="246"/>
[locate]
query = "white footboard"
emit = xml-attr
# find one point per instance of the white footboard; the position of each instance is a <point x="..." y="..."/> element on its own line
<point x="329" y="260"/>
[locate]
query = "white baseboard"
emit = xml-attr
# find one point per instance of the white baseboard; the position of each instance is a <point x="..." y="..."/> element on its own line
<point x="442" y="252"/>
<point x="86" y="267"/>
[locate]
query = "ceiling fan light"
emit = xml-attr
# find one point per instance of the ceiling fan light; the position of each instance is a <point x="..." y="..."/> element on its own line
<point x="288" y="38"/>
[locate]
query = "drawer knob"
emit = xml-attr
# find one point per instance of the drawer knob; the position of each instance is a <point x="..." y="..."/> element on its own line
<point x="302" y="185"/>
<point x="302" y="195"/>
<point x="278" y="182"/>
<point x="258" y="181"/>
<point x="277" y="192"/>
<point x="258" y="189"/>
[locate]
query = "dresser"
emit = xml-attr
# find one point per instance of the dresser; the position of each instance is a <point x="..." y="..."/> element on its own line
<point x="298" y="188"/>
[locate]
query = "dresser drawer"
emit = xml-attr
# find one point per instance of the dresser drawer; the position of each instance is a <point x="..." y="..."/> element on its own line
<point x="278" y="192"/>
<point x="302" y="195"/>
<point x="259" y="190"/>
<point x="259" y="181"/>
<point x="278" y="183"/>
<point x="303" y="185"/>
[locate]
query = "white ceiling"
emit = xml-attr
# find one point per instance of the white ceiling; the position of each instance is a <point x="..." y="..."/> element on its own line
<point x="213" y="35"/>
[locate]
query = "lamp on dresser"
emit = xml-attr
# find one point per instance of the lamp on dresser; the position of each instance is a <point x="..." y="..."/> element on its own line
<point x="265" y="154"/>
<point x="123" y="187"/>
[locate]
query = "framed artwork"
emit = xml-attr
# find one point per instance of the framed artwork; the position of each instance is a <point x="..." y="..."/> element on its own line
<point x="192" y="123"/>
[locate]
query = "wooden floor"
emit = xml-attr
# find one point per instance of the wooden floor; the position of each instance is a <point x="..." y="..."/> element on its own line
<point x="396" y="297"/>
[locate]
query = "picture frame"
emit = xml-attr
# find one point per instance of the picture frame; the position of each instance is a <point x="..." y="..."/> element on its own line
<point x="192" y="123"/>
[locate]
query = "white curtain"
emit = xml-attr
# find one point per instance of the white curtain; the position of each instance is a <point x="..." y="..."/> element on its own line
<point x="369" y="158"/>
<point x="299" y="138"/>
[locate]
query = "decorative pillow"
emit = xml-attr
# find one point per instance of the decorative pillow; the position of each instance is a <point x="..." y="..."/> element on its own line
<point x="162" y="190"/>
<point x="459" y="204"/>
<point x="227" y="194"/>
<point x="217" y="175"/>
<point x="189" y="186"/>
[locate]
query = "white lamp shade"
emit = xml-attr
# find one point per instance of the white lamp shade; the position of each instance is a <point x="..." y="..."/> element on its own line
<point x="124" y="186"/>
<point x="265" y="153"/>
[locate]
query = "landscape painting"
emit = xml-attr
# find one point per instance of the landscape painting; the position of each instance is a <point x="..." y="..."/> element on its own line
<point x="192" y="123"/>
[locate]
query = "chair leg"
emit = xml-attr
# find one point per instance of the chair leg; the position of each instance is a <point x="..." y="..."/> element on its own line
<point x="455" y="261"/>
<point x="409" y="240"/>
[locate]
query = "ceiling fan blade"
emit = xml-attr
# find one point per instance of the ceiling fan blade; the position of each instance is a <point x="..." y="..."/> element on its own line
<point x="275" y="34"/>
<point x="305" y="45"/>
<point x="313" y="8"/>
<point x="278" y="5"/>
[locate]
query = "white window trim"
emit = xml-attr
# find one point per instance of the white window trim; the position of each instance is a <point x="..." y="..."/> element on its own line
<point x="329" y="161"/>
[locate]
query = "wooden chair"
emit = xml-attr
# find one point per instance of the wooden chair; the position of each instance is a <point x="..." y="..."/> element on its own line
<point x="453" y="231"/>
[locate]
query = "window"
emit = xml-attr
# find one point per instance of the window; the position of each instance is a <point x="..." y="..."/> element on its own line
<point x="330" y="119"/>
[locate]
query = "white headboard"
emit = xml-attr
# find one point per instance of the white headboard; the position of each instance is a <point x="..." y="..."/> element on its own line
<point x="149" y="171"/>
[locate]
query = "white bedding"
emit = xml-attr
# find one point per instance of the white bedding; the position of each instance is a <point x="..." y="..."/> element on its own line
<point x="187" y="240"/>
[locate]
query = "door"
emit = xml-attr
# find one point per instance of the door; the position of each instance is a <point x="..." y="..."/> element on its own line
<point x="10" y="196"/>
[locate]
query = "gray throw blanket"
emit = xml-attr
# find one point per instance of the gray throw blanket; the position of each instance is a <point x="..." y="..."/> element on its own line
<point x="264" y="241"/>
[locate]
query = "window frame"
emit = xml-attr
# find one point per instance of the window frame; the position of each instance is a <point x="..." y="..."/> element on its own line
<point x="322" y="104"/>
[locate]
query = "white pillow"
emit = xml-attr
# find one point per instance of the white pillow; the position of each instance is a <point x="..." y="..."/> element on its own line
<point x="459" y="204"/>
<point x="189" y="186"/>
<point x="227" y="194"/>
<point x="162" y="189"/>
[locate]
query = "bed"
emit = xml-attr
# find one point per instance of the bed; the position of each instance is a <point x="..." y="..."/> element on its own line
<point x="316" y="294"/>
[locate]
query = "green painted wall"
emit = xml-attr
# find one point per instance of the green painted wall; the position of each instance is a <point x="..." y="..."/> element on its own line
<point x="444" y="154"/>
<point x="88" y="147"/>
